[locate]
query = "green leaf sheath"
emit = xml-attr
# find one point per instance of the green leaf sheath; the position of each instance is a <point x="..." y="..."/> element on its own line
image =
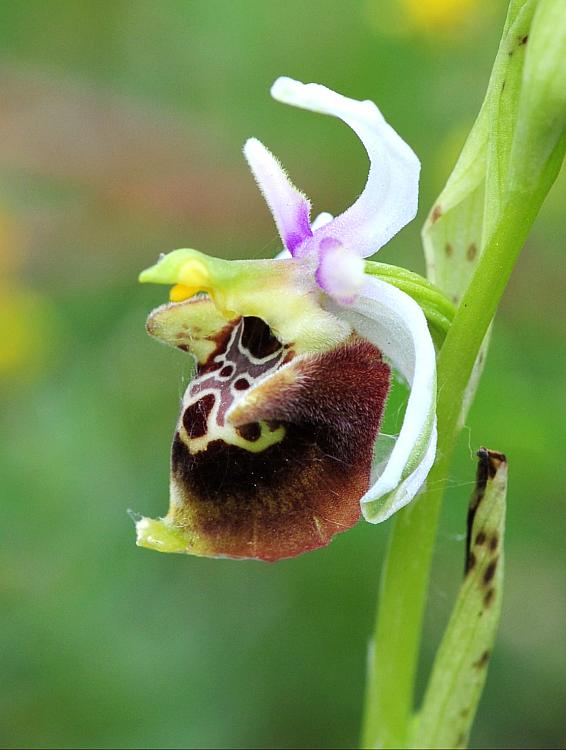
<point x="460" y="668"/>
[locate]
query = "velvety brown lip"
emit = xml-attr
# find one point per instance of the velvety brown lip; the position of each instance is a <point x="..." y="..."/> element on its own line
<point x="295" y="495"/>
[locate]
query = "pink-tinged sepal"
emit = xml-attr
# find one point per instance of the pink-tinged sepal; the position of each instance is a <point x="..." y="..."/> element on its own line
<point x="290" y="208"/>
<point x="389" y="199"/>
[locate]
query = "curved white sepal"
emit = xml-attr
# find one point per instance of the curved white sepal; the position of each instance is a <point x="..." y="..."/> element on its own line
<point x="395" y="323"/>
<point x="389" y="199"/>
<point x="290" y="208"/>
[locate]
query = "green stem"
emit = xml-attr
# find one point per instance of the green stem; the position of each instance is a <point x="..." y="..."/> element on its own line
<point x="405" y="575"/>
<point x="404" y="583"/>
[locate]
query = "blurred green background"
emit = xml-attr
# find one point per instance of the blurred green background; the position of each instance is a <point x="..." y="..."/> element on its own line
<point x="121" y="127"/>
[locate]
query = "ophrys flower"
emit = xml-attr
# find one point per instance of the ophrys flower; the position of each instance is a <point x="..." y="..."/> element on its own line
<point x="274" y="447"/>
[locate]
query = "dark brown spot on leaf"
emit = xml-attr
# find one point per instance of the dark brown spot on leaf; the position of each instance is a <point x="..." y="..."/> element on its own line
<point x="436" y="214"/>
<point x="488" y="598"/>
<point x="472" y="251"/>
<point x="483" y="660"/>
<point x="490" y="571"/>
<point x="523" y="39"/>
<point x="480" y="538"/>
<point x="449" y="250"/>
<point x="493" y="542"/>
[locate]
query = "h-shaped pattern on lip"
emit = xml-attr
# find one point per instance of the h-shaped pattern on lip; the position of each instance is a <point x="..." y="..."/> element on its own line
<point x="246" y="352"/>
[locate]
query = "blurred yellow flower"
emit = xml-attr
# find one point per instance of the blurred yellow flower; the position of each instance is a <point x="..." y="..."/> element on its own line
<point x="24" y="344"/>
<point x="425" y="17"/>
<point x="435" y="15"/>
<point x="25" y="314"/>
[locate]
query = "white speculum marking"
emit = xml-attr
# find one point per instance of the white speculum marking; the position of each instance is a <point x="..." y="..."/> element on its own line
<point x="225" y="378"/>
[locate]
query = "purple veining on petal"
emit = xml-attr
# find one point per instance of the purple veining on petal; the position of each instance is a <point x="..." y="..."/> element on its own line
<point x="303" y="225"/>
<point x="290" y="208"/>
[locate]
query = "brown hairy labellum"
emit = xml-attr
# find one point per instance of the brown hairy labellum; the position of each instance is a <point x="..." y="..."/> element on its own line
<point x="281" y="468"/>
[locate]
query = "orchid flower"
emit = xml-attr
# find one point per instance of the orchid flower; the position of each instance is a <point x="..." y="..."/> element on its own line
<point x="273" y="452"/>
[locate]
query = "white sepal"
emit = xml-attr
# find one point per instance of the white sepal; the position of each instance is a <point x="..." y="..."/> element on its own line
<point x="389" y="199"/>
<point x="395" y="323"/>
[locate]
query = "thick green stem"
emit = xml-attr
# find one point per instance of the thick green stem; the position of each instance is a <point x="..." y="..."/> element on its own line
<point x="405" y="576"/>
<point x="402" y="596"/>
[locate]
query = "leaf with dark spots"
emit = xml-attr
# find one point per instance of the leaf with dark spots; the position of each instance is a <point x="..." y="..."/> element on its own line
<point x="462" y="659"/>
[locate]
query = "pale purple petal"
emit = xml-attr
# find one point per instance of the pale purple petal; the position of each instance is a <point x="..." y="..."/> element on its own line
<point x="340" y="273"/>
<point x="389" y="199"/>
<point x="290" y="208"/>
